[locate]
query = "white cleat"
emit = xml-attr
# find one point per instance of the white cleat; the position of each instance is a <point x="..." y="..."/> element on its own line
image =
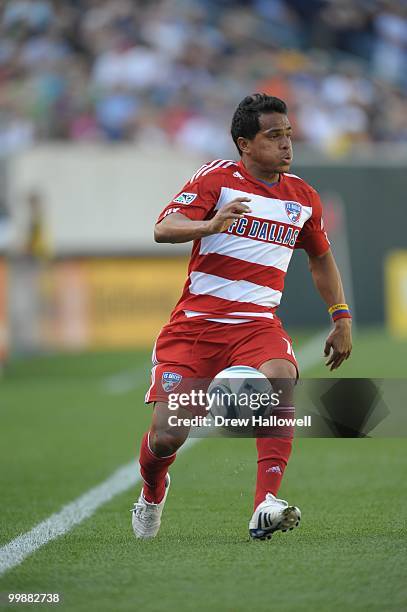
<point x="146" y="517"/>
<point x="273" y="515"/>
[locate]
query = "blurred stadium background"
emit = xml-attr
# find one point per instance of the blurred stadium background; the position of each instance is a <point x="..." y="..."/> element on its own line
<point x="106" y="108"/>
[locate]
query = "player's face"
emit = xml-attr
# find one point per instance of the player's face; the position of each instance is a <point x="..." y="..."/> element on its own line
<point x="271" y="148"/>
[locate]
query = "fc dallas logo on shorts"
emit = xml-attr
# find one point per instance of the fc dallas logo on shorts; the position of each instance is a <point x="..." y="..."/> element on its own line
<point x="170" y="380"/>
<point x="293" y="210"/>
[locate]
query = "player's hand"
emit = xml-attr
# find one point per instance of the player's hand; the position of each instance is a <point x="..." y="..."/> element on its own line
<point x="224" y="218"/>
<point x="338" y="345"/>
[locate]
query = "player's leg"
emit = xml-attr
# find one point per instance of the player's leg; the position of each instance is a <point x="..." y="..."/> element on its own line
<point x="180" y="358"/>
<point x="157" y="452"/>
<point x="274" y="450"/>
<point x="159" y="445"/>
<point x="268" y="349"/>
<point x="158" y="449"/>
<point x="173" y="366"/>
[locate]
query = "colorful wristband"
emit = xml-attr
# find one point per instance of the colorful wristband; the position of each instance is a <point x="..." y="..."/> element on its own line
<point x="339" y="311"/>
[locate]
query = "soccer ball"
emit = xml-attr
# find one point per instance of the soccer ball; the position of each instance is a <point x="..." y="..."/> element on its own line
<point x="235" y="393"/>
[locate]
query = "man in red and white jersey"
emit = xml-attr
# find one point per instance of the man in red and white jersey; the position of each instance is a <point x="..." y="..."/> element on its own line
<point x="245" y="218"/>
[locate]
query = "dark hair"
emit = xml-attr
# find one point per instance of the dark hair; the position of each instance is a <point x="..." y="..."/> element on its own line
<point x="245" y="120"/>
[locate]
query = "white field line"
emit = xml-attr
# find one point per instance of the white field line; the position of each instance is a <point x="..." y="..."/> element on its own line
<point x="72" y="514"/>
<point x="125" y="477"/>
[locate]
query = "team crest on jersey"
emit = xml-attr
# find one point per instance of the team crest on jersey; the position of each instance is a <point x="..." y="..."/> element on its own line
<point x="293" y="210"/>
<point x="170" y="380"/>
<point x="185" y="198"/>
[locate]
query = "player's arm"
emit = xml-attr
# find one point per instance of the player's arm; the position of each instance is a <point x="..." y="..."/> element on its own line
<point x="176" y="227"/>
<point x="327" y="280"/>
<point x="326" y="277"/>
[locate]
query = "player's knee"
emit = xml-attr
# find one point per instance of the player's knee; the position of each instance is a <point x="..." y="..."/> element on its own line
<point x="282" y="374"/>
<point x="164" y="442"/>
<point x="279" y="369"/>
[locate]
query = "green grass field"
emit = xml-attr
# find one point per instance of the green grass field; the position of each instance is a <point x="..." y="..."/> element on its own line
<point x="67" y="422"/>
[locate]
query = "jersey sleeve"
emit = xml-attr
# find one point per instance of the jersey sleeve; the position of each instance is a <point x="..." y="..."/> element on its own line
<point x="313" y="237"/>
<point x="196" y="200"/>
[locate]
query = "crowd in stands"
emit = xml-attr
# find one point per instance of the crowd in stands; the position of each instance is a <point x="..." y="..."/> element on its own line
<point x="172" y="71"/>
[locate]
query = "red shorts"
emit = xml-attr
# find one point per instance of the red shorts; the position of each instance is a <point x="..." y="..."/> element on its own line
<point x="200" y="349"/>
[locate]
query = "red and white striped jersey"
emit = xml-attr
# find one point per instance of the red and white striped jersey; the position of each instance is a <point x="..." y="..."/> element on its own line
<point x="238" y="275"/>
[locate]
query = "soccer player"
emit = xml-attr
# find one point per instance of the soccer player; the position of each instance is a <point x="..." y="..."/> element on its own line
<point x="245" y="218"/>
